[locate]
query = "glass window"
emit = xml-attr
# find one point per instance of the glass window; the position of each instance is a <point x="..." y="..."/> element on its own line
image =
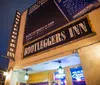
<point x="60" y="79"/>
<point x="77" y="76"/>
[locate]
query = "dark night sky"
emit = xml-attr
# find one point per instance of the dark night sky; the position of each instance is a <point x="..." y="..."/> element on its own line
<point x="7" y="13"/>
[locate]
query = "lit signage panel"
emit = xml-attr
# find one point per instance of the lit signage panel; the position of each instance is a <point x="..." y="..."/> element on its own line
<point x="14" y="36"/>
<point x="73" y="9"/>
<point x="69" y="33"/>
<point x="77" y="76"/>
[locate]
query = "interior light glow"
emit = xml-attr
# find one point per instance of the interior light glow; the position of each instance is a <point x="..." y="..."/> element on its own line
<point x="78" y="79"/>
<point x="5" y="73"/>
<point x="60" y="70"/>
<point x="60" y="75"/>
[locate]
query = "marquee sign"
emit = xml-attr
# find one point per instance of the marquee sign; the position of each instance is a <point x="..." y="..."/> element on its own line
<point x="14" y="36"/>
<point x="66" y="34"/>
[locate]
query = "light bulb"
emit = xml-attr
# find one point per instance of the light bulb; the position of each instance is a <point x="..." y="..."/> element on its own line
<point x="26" y="76"/>
<point x="60" y="70"/>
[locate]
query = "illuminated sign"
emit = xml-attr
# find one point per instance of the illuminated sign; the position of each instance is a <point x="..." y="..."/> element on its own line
<point x="77" y="76"/>
<point x="14" y="36"/>
<point x="45" y="17"/>
<point x="68" y="33"/>
<point x="72" y="9"/>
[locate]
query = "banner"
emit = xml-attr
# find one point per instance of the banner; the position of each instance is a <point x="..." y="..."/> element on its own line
<point x="14" y="36"/>
<point x="69" y="33"/>
<point x="77" y="76"/>
<point x="73" y="9"/>
<point x="48" y="15"/>
<point x="42" y="17"/>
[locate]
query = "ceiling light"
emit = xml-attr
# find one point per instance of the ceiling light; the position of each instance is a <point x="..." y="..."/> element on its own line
<point x="60" y="69"/>
<point x="26" y="76"/>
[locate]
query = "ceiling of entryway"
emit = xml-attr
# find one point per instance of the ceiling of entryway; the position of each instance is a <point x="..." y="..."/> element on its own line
<point x="69" y="60"/>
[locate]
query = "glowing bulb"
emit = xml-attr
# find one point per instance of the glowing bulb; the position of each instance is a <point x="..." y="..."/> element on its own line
<point x="26" y="76"/>
<point x="60" y="70"/>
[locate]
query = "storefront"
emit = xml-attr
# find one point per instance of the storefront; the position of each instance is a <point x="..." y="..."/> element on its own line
<point x="57" y="41"/>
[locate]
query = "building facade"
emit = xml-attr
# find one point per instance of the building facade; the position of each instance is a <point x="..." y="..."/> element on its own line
<point x="77" y="42"/>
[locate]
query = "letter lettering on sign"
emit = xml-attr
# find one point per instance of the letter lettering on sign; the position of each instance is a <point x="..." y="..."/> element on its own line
<point x="25" y="51"/>
<point x="63" y="36"/>
<point x="49" y="41"/>
<point x="11" y="49"/>
<point x="77" y="30"/>
<point x="58" y="39"/>
<point x="12" y="45"/>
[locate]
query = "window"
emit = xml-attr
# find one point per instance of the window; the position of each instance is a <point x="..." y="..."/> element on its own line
<point x="77" y="76"/>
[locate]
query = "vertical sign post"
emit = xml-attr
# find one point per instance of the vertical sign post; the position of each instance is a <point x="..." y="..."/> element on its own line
<point x="14" y="36"/>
